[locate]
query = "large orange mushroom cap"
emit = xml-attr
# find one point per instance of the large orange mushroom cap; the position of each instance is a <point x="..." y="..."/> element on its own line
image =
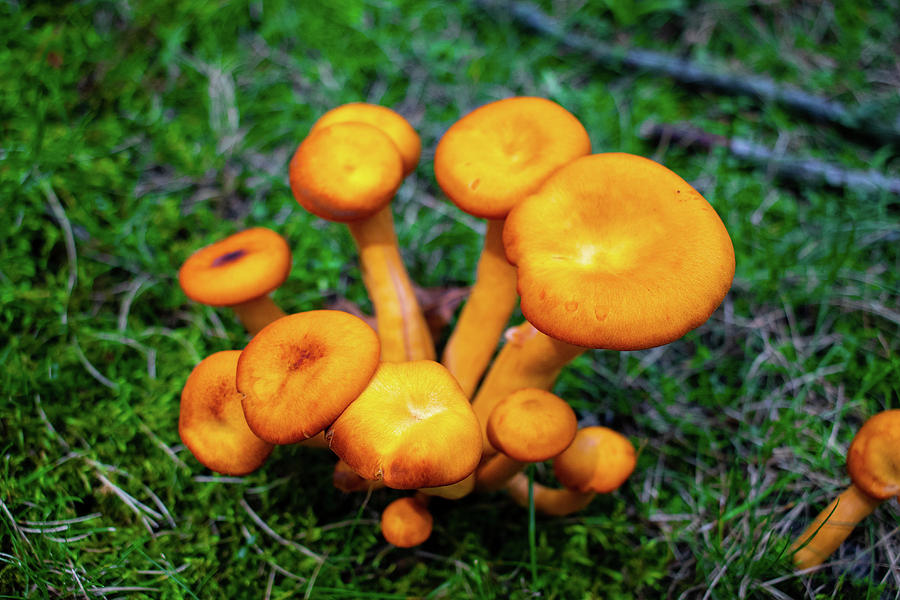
<point x="243" y="266"/>
<point x="388" y="121"/>
<point x="873" y="459"/>
<point x="501" y="152"/>
<point x="412" y="427"/>
<point x="346" y="172"/>
<point x="211" y="421"/>
<point x="599" y="460"/>
<point x="616" y="251"/>
<point x="300" y="372"/>
<point x="531" y="425"/>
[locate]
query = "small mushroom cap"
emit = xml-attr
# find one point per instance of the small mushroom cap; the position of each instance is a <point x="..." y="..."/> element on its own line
<point x="406" y="522"/>
<point x="531" y="425"/>
<point x="874" y="456"/>
<point x="346" y="172"/>
<point x="211" y="422"/>
<point x="300" y="372"/>
<point x="391" y="123"/>
<point x="243" y="266"/>
<point x="598" y="460"/>
<point x="501" y="152"/>
<point x="616" y="251"/>
<point x="412" y="427"/>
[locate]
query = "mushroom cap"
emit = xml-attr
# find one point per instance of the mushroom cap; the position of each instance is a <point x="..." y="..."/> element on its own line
<point x="346" y="171"/>
<point x="243" y="266"/>
<point x="874" y="456"/>
<point x="412" y="427"/>
<point x="501" y="152"/>
<point x="406" y="522"/>
<point x="531" y="425"/>
<point x="598" y="460"/>
<point x="616" y="251"/>
<point x="211" y="422"/>
<point x="300" y="372"/>
<point x="390" y="122"/>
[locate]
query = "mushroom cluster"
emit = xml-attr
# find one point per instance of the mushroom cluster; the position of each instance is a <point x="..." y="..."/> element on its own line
<point x="609" y="251"/>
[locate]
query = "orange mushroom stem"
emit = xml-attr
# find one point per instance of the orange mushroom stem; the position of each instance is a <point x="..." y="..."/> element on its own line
<point x="598" y="461"/>
<point x="485" y="163"/>
<point x="873" y="462"/>
<point x="407" y="522"/>
<point x="347" y="170"/>
<point x="240" y="272"/>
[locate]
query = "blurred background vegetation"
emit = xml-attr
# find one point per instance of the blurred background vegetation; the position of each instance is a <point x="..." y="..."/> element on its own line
<point x="135" y="132"/>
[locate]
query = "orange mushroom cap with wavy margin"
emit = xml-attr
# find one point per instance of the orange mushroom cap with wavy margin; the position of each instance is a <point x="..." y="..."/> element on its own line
<point x="501" y="152"/>
<point x="346" y="172"/>
<point x="873" y="459"/>
<point x="411" y="427"/>
<point x="616" y="251"/>
<point x="598" y="460"/>
<point x="243" y="266"/>
<point x="390" y="122"/>
<point x="300" y="372"/>
<point x="211" y="421"/>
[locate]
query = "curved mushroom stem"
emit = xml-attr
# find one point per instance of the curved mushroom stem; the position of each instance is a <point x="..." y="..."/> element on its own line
<point x="257" y="313"/>
<point x="496" y="471"/>
<point x="485" y="314"/>
<point x="557" y="502"/>
<point x="402" y="328"/>
<point x="454" y="491"/>
<point x="832" y="526"/>
<point x="530" y="359"/>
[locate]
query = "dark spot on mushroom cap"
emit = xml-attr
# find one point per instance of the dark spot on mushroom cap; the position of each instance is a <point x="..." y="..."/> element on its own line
<point x="224" y="388"/>
<point x="229" y="257"/>
<point x="301" y="357"/>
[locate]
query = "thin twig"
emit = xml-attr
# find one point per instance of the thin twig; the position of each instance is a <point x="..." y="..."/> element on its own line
<point x="800" y="170"/>
<point x="868" y="120"/>
<point x="271" y="533"/>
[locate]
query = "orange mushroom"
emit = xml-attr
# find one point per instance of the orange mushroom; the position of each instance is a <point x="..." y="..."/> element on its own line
<point x="873" y="462"/>
<point x="300" y="372"/>
<point x="614" y="251"/>
<point x="240" y="272"/>
<point x="485" y="163"/>
<point x="406" y="522"/>
<point x="528" y="426"/>
<point x="598" y="461"/>
<point x="412" y="427"/>
<point x="347" y="170"/>
<point x="211" y="422"/>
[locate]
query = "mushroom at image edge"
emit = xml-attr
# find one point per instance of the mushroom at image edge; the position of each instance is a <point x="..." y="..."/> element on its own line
<point x="300" y="372"/>
<point x="873" y="462"/>
<point x="598" y="461"/>
<point x="211" y="421"/>
<point x="614" y="251"/>
<point x="239" y="272"/>
<point x="412" y="427"/>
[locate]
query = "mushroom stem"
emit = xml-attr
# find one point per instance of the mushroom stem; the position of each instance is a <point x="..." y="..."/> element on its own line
<point x="530" y="359"/>
<point x="485" y="314"/>
<point x="832" y="527"/>
<point x="454" y="491"/>
<point x="557" y="502"/>
<point x="257" y="313"/>
<point x="496" y="471"/>
<point x="402" y="328"/>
